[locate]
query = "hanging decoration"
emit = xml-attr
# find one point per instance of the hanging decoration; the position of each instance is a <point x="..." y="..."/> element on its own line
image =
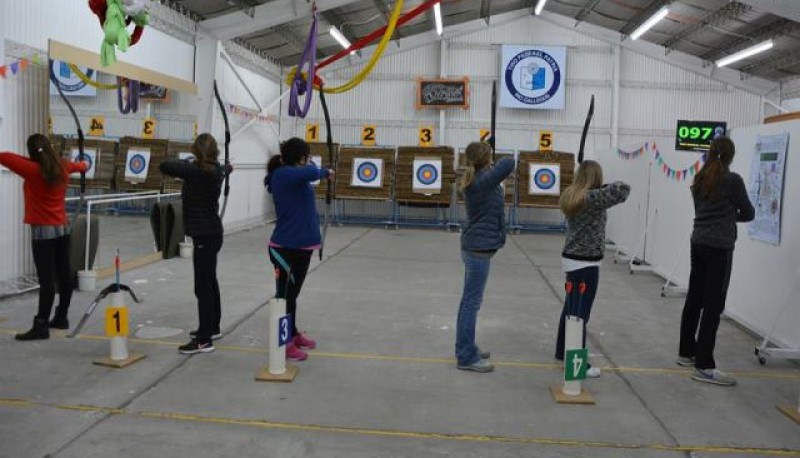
<point x="303" y="81"/>
<point x="678" y="174"/>
<point x="115" y="16"/>
<point x="127" y="95"/>
<point x="235" y="109"/>
<point x="18" y="66"/>
<point x="628" y="155"/>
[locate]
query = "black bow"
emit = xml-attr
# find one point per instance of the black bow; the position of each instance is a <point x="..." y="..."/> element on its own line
<point x="586" y="129"/>
<point x="81" y="139"/>
<point x="227" y="150"/>
<point x="329" y="191"/>
<point x="492" y="142"/>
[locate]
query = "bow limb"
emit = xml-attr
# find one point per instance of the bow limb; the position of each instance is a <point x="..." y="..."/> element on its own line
<point x="81" y="139"/>
<point x="586" y="129"/>
<point x="494" y="119"/>
<point x="227" y="172"/>
<point x="329" y="191"/>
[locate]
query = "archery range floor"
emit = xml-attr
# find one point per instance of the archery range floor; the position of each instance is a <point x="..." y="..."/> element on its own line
<point x="382" y="381"/>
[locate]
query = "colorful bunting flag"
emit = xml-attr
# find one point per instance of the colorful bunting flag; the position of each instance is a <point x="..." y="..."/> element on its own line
<point x="19" y="66"/>
<point x="14" y="67"/>
<point x="2" y="71"/>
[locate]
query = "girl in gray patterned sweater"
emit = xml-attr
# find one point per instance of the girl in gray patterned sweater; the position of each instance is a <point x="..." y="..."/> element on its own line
<point x="584" y="203"/>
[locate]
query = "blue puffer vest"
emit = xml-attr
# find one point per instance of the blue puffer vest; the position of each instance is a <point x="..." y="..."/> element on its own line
<point x="486" y="223"/>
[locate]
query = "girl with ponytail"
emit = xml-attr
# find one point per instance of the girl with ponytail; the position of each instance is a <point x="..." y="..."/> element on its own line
<point x="481" y="237"/>
<point x="46" y="176"/>
<point x="720" y="201"/>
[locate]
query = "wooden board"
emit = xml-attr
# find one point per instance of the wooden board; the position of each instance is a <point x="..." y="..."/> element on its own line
<point x="585" y="398"/>
<point x="105" y="169"/>
<point x="175" y="148"/>
<point x="565" y="160"/>
<point x="509" y="183"/>
<point x="404" y="170"/>
<point x="287" y="377"/>
<point x="345" y="173"/>
<point x="119" y="364"/>
<point x="158" y="153"/>
<point x="321" y="149"/>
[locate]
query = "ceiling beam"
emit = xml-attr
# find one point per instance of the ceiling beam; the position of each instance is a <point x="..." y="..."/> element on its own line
<point x="288" y="33"/>
<point x="643" y="16"/>
<point x="768" y="65"/>
<point x="729" y="12"/>
<point x="770" y="31"/>
<point x="486" y="10"/>
<point x="274" y="13"/>
<point x="586" y="11"/>
<point x="786" y="8"/>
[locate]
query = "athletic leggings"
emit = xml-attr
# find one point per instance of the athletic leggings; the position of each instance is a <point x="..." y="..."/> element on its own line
<point x="51" y="257"/>
<point x="288" y="285"/>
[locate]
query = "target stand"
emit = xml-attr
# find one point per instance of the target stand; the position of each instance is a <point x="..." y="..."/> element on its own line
<point x="425" y="177"/>
<point x="365" y="185"/>
<point x="542" y="177"/>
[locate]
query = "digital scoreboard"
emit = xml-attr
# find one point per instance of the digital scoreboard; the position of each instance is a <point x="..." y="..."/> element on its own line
<point x="697" y="135"/>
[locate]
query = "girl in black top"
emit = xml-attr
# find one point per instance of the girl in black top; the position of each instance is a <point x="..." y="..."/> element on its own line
<point x="720" y="201"/>
<point x="202" y="185"/>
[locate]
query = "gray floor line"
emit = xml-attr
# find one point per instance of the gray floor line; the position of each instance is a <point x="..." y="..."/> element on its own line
<point x="182" y="362"/>
<point x="596" y="344"/>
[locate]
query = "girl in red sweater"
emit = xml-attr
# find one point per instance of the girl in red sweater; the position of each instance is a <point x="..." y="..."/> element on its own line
<point x="46" y="176"/>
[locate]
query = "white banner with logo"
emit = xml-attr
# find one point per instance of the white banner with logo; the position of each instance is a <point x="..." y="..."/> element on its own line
<point x="69" y="81"/>
<point x="533" y="77"/>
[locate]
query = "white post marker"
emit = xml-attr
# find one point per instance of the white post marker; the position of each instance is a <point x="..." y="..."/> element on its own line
<point x="278" y="335"/>
<point x="117" y="329"/>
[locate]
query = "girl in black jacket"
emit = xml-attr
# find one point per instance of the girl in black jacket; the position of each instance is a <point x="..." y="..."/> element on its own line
<point x="202" y="185"/>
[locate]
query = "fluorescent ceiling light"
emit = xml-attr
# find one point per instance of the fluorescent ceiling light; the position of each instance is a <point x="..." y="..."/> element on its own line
<point x="745" y="53"/>
<point x="648" y="24"/>
<point x="338" y="36"/>
<point x="539" y="7"/>
<point x="437" y="16"/>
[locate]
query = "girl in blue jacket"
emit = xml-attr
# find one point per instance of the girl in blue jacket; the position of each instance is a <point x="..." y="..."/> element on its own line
<point x="296" y="234"/>
<point x="481" y="237"/>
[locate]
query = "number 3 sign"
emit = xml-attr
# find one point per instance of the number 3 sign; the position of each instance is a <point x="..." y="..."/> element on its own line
<point x="284" y="330"/>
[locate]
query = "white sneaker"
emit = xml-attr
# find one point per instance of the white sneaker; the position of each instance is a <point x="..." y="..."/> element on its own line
<point x="713" y="376"/>
<point x="593" y="372"/>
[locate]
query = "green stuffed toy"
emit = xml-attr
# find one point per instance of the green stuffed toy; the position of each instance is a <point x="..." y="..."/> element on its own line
<point x="114" y="27"/>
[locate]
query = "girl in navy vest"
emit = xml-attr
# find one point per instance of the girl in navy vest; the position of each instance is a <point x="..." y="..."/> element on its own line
<point x="481" y="237"/>
<point x="296" y="234"/>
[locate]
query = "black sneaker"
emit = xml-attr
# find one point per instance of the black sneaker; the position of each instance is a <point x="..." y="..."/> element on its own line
<point x="39" y="331"/>
<point x="196" y="347"/>
<point x="215" y="336"/>
<point x="59" y="323"/>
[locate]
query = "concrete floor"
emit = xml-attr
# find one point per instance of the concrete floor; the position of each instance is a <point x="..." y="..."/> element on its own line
<point x="382" y="382"/>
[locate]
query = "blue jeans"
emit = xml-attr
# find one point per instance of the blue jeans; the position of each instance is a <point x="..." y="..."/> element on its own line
<point x="576" y="305"/>
<point x="476" y="273"/>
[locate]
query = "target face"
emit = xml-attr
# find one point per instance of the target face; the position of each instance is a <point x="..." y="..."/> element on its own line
<point x="427" y="175"/>
<point x="136" y="165"/>
<point x="90" y="157"/>
<point x="367" y="173"/>
<point x="545" y="179"/>
<point x="317" y="161"/>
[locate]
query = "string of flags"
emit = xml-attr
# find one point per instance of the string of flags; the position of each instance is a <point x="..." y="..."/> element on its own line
<point x="235" y="109"/>
<point x="628" y="155"/>
<point x="679" y="174"/>
<point x="18" y="66"/>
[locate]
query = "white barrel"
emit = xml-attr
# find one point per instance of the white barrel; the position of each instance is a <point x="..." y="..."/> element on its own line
<point x="573" y="340"/>
<point x="277" y="354"/>
<point x="119" y="344"/>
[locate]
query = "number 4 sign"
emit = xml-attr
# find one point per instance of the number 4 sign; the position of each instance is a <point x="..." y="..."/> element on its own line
<point x="575" y="364"/>
<point x="284" y="329"/>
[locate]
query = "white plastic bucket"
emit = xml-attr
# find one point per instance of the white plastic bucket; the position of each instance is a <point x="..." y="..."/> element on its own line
<point x="185" y="250"/>
<point x="87" y="280"/>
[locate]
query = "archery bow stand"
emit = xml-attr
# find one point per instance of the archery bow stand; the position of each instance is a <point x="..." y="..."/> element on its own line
<point x="279" y="335"/>
<point x="116" y="323"/>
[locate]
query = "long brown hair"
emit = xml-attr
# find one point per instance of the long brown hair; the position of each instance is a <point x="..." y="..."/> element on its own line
<point x="589" y="176"/>
<point x="478" y="155"/>
<point x="42" y="152"/>
<point x="719" y="159"/>
<point x="206" y="152"/>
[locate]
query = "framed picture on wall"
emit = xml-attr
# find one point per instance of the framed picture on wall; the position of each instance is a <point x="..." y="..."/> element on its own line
<point x="154" y="93"/>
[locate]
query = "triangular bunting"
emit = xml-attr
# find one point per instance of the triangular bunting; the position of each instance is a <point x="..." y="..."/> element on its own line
<point x="23" y="64"/>
<point x="14" y="67"/>
<point x="2" y="71"/>
<point x="36" y="60"/>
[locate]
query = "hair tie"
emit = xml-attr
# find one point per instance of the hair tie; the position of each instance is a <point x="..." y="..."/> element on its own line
<point x="40" y="150"/>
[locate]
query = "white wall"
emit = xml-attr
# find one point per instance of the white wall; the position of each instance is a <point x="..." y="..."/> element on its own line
<point x="766" y="278"/>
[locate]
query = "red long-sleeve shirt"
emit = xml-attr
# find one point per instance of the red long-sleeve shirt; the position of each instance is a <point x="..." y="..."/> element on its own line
<point x="44" y="202"/>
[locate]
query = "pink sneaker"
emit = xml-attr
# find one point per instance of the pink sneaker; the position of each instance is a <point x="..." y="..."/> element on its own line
<point x="295" y="354"/>
<point x="302" y="341"/>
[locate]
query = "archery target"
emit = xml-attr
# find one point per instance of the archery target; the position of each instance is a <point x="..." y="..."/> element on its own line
<point x="316" y="160"/>
<point x="427" y="175"/>
<point x="367" y="173"/>
<point x="90" y="157"/>
<point x="545" y="179"/>
<point x="136" y="165"/>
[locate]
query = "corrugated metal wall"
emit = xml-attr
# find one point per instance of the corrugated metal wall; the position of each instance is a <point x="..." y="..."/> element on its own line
<point x="25" y="113"/>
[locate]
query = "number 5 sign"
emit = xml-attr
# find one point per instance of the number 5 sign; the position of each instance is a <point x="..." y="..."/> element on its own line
<point x="575" y="364"/>
<point x="284" y="330"/>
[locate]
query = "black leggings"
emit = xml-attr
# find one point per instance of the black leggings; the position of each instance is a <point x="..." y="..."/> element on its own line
<point x="577" y="304"/>
<point x="297" y="261"/>
<point x="206" y="286"/>
<point x="52" y="266"/>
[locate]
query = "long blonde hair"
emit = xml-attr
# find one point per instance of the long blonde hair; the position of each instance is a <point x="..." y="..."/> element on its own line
<point x="589" y="176"/>
<point x="478" y="155"/>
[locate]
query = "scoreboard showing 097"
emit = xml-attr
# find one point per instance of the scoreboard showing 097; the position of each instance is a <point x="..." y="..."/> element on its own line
<point x="697" y="135"/>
